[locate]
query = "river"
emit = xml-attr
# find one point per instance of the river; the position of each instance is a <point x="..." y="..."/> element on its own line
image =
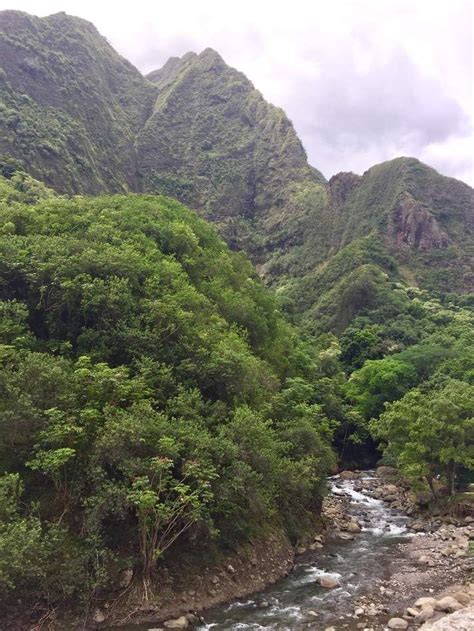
<point x="298" y="602"/>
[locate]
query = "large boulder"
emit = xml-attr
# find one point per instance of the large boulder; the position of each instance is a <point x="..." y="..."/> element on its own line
<point x="462" y="597"/>
<point x="386" y="472"/>
<point x="425" y="614"/>
<point x="426" y="601"/>
<point x="462" y="620"/>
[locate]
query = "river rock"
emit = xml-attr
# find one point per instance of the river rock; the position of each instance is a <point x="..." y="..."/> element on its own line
<point x="353" y="527"/>
<point x="426" y="601"/>
<point x="328" y="582"/>
<point x="192" y="618"/>
<point x="386" y="472"/>
<point x="348" y="475"/>
<point x="462" y="597"/>
<point x="459" y="621"/>
<point x="448" y="604"/>
<point x="411" y="611"/>
<point x="425" y="614"/>
<point x="397" y="623"/>
<point x="345" y="536"/>
<point x="178" y="623"/>
<point x="316" y="546"/>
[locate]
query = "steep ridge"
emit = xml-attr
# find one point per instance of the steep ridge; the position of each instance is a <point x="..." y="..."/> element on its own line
<point x="70" y="105"/>
<point x="213" y="140"/>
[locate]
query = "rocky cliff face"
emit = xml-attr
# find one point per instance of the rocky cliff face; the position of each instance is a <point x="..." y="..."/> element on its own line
<point x="412" y="226"/>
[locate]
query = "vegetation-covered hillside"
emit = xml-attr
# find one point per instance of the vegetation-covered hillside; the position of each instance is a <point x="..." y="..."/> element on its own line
<point x="401" y="222"/>
<point x="81" y="119"/>
<point x="70" y="106"/>
<point x="151" y="394"/>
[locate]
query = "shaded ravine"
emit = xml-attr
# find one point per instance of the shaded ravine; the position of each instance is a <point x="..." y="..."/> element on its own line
<point x="298" y="601"/>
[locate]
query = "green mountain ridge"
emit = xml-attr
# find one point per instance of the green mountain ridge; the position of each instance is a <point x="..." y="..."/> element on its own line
<point x="402" y="216"/>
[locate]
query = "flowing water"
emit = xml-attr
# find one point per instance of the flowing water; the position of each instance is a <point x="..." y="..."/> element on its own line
<point x="357" y="564"/>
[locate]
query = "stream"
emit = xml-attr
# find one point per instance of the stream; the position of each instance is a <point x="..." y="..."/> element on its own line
<point x="298" y="601"/>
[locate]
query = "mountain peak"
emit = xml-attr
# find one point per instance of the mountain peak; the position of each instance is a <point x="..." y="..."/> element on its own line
<point x="210" y="53"/>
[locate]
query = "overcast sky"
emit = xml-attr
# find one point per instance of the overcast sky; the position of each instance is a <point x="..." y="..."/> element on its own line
<point x="363" y="81"/>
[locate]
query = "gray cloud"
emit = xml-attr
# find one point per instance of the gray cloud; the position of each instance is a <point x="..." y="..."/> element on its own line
<point x="363" y="81"/>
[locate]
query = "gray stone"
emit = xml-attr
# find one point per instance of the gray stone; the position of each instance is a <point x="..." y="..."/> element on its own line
<point x="425" y="602"/>
<point x="348" y="475"/>
<point x="462" y="597"/>
<point x="98" y="616"/>
<point x="462" y="620"/>
<point x="386" y="472"/>
<point x="397" y="623"/>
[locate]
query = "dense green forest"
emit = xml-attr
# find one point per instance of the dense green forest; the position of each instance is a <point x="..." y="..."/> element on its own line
<point x="150" y="388"/>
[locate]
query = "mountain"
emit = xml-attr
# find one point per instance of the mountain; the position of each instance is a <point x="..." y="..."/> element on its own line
<point x="83" y="120"/>
<point x="71" y="107"/>
<point x="401" y="216"/>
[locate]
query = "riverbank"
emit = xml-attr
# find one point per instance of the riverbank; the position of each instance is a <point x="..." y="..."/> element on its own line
<point x="377" y="552"/>
<point x="432" y="565"/>
<point x="433" y="559"/>
<point x="186" y="590"/>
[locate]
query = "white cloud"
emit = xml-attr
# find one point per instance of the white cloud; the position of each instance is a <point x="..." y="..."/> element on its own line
<point x="362" y="80"/>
